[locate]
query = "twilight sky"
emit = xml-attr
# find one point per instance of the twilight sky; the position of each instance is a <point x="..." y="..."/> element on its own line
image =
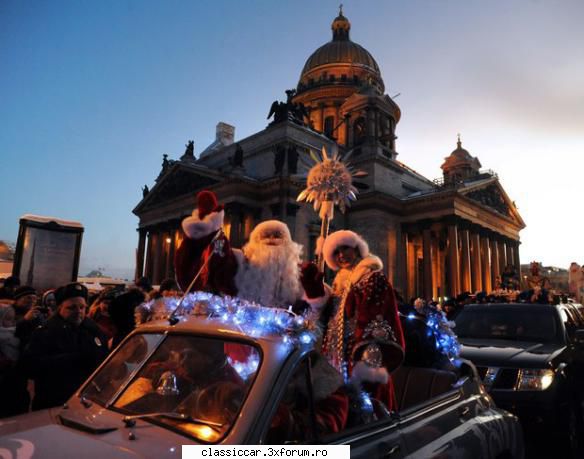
<point x="92" y="93"/>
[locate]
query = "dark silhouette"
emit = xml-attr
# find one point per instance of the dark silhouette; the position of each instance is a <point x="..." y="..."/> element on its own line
<point x="288" y="111"/>
<point x="237" y="159"/>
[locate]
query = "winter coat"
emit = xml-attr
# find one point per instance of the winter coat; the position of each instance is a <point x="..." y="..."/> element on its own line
<point x="9" y="344"/>
<point x="60" y="356"/>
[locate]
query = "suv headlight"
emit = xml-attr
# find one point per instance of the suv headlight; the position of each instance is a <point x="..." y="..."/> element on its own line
<point x="535" y="379"/>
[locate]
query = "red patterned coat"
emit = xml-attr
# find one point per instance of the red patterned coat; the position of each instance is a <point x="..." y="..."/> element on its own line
<point x="368" y="297"/>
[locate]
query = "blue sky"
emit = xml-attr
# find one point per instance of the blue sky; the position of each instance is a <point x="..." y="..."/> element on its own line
<point x="92" y="93"/>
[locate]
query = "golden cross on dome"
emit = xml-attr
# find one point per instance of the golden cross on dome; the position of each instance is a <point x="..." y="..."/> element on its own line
<point x="459" y="143"/>
<point x="341" y="9"/>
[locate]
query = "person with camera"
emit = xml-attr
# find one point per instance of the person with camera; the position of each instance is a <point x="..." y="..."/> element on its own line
<point x="64" y="351"/>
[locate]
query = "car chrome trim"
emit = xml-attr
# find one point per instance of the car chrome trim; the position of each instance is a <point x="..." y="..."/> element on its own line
<point x="448" y="399"/>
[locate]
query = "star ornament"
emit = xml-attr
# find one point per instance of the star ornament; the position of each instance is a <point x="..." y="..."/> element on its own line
<point x="330" y="183"/>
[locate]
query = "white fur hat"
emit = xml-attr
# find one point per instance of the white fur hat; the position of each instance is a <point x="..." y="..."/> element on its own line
<point x="272" y="225"/>
<point x="339" y="238"/>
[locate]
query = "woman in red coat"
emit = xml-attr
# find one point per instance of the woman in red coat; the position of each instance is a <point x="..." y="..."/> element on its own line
<point x="363" y="336"/>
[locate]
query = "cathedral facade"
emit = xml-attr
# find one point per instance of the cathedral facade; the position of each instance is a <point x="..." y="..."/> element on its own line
<point x="436" y="238"/>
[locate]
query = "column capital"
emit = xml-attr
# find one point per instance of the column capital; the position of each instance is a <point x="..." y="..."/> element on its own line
<point x="451" y="220"/>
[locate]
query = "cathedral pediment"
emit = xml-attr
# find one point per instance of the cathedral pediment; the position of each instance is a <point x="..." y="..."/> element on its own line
<point x="176" y="182"/>
<point x="492" y="195"/>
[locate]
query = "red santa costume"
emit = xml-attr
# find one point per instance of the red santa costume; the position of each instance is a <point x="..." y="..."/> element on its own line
<point x="266" y="271"/>
<point x="364" y="331"/>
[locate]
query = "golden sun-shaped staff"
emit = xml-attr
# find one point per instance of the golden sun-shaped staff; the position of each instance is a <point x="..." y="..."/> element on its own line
<point x="329" y="184"/>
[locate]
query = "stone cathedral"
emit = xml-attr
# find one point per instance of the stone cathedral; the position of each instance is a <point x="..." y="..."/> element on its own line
<point x="436" y="238"/>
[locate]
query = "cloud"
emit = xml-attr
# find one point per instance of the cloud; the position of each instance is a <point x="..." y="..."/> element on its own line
<point x="542" y="96"/>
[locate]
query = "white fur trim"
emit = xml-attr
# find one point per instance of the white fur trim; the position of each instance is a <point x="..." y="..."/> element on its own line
<point x="339" y="238"/>
<point x="195" y="228"/>
<point x="365" y="373"/>
<point x="367" y="265"/>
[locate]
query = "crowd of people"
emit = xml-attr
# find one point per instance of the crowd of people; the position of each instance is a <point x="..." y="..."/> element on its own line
<point x="51" y="342"/>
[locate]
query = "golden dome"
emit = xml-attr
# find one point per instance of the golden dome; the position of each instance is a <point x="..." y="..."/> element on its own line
<point x="340" y="61"/>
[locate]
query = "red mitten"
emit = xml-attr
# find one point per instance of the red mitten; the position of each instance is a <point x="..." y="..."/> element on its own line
<point x="311" y="279"/>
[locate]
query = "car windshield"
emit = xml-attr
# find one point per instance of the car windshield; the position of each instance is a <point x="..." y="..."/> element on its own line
<point x="194" y="385"/>
<point x="510" y="322"/>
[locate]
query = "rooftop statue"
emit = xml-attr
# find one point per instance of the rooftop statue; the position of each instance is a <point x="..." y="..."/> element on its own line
<point x="288" y="111"/>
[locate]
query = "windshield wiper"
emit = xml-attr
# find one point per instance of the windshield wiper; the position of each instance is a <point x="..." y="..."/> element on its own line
<point x="130" y="421"/>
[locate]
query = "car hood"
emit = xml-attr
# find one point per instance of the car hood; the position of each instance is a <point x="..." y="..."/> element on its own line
<point x="41" y="435"/>
<point x="505" y="353"/>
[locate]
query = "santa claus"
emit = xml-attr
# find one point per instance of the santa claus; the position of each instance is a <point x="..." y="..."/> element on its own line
<point x="267" y="270"/>
<point x="363" y="331"/>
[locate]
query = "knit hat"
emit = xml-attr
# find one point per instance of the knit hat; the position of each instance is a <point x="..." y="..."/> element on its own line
<point x="342" y="238"/>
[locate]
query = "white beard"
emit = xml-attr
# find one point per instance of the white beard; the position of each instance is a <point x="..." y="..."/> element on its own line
<point x="270" y="274"/>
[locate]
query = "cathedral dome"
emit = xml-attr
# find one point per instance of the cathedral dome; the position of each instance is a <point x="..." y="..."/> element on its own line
<point x="460" y="157"/>
<point x="460" y="165"/>
<point x="340" y="61"/>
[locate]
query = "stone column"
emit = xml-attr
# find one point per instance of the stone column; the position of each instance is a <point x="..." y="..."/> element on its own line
<point x="494" y="262"/>
<point x="158" y="258"/>
<point x="148" y="268"/>
<point x="465" y="266"/>
<point x="427" y="256"/>
<point x="453" y="264"/>
<point x="486" y="263"/>
<point x="168" y="256"/>
<point x="401" y="280"/>
<point x="509" y="249"/>
<point x="476" y="265"/>
<point x="173" y="245"/>
<point x="476" y="262"/>
<point x="320" y="125"/>
<point x="140" y="254"/>
<point x="502" y="256"/>
<point x="516" y="258"/>
<point x="153" y="256"/>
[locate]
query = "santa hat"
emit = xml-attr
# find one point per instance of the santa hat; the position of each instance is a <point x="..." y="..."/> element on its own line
<point x="271" y="225"/>
<point x="338" y="239"/>
<point x="206" y="218"/>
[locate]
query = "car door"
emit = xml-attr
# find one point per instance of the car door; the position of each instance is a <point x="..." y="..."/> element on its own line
<point x="445" y="425"/>
<point x="368" y="439"/>
<point x="572" y="324"/>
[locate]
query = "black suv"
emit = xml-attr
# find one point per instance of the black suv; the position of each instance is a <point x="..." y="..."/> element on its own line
<point x="531" y="360"/>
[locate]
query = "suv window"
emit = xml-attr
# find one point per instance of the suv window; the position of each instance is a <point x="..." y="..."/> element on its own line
<point x="536" y="323"/>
